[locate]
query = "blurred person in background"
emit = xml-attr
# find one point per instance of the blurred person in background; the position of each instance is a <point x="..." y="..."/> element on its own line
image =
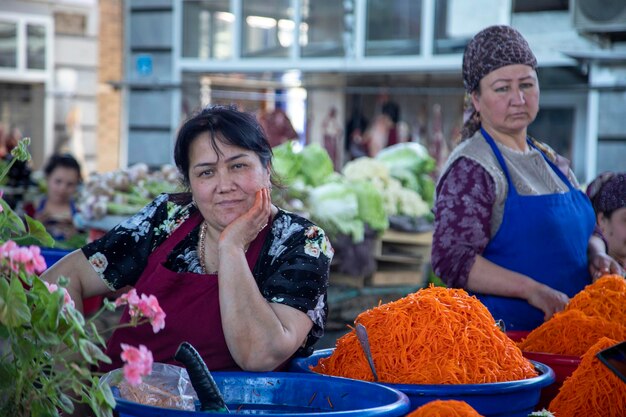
<point x="608" y="197"/>
<point x="383" y="130"/>
<point x="56" y="210"/>
<point x="355" y="146"/>
<point x="333" y="136"/>
<point x="511" y="224"/>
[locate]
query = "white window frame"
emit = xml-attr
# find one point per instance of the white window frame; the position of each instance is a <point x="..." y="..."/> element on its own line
<point x="21" y="73"/>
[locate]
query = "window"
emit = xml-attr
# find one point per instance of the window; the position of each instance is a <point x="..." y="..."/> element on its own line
<point x="268" y="28"/>
<point x="207" y="29"/>
<point x="35" y="46"/>
<point x="8" y="45"/>
<point x="326" y="27"/>
<point x="393" y="27"/>
<point x="456" y="22"/>
<point x="23" y="43"/>
<point x="522" y="6"/>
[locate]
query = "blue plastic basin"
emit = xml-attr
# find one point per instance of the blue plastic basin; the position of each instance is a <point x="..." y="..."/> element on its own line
<point x="288" y="394"/>
<point x="52" y="255"/>
<point x="498" y="399"/>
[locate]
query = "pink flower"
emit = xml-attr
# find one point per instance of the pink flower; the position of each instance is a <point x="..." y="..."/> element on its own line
<point x="146" y="306"/>
<point x="28" y="258"/>
<point x="39" y="262"/>
<point x="138" y="363"/>
<point x="149" y="307"/>
<point x="67" y="299"/>
<point x="51" y="287"/>
<point x="130" y="298"/>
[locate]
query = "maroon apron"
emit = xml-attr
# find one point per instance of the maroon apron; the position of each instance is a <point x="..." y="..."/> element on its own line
<point x="191" y="304"/>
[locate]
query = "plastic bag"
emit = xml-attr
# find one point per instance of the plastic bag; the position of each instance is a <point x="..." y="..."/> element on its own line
<point x="168" y="386"/>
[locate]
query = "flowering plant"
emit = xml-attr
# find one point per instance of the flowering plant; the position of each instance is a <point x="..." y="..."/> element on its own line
<point x="48" y="350"/>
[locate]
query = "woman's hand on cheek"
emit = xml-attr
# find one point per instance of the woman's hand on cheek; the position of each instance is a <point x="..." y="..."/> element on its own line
<point x="245" y="229"/>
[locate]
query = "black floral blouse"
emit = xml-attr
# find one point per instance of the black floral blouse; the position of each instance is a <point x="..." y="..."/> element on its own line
<point x="292" y="268"/>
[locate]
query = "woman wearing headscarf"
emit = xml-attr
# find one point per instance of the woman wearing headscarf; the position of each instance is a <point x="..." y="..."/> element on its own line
<point x="511" y="225"/>
<point x="608" y="197"/>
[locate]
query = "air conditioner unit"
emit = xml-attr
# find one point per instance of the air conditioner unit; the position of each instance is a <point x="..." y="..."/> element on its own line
<point x="599" y="15"/>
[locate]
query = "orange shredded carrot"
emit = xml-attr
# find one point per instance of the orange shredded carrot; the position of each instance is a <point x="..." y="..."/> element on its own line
<point x="445" y="408"/>
<point x="433" y="336"/>
<point x="612" y="282"/>
<point x="570" y="332"/>
<point x="592" y="390"/>
<point x="604" y="298"/>
<point x="598" y="310"/>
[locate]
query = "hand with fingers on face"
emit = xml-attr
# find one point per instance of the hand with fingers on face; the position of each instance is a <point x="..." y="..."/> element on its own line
<point x="245" y="229"/>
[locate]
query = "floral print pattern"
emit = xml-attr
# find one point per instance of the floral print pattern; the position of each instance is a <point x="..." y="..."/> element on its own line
<point x="99" y="263"/>
<point x="316" y="242"/>
<point x="282" y="230"/>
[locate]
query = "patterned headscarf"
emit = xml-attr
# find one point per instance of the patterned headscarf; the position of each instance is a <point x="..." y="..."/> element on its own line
<point x="490" y="49"/>
<point x="608" y="192"/>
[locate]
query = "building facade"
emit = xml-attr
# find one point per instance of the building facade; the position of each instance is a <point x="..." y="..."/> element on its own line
<point x="308" y="57"/>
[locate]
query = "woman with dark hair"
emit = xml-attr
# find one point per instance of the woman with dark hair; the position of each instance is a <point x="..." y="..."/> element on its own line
<point x="56" y="210"/>
<point x="511" y="224"/>
<point x="240" y="279"/>
<point x="608" y="197"/>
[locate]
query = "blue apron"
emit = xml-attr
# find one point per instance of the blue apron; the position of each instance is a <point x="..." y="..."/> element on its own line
<point x="544" y="237"/>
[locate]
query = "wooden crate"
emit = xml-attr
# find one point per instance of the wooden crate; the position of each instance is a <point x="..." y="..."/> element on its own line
<point x="345" y="280"/>
<point x="402" y="259"/>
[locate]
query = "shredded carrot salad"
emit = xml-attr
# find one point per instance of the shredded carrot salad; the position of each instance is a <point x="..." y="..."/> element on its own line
<point x="604" y="298"/>
<point x="445" y="408"/>
<point x="597" y="311"/>
<point x="570" y="333"/>
<point x="433" y="336"/>
<point x="592" y="390"/>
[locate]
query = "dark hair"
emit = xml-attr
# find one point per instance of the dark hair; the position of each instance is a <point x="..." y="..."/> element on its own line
<point x="607" y="192"/>
<point x="62" y="160"/>
<point x="392" y="110"/>
<point x="227" y="125"/>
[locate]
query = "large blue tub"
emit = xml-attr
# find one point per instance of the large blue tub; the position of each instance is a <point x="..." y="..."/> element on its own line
<point x="53" y="255"/>
<point x="499" y="399"/>
<point x="289" y="394"/>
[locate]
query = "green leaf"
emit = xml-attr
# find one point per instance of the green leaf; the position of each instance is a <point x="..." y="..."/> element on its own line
<point x="90" y="352"/>
<point x="4" y="297"/>
<point x="74" y="319"/>
<point x="8" y="374"/>
<point x="46" y="336"/>
<point x="14" y="311"/>
<point x="104" y="398"/>
<point x="38" y="231"/>
<point x="20" y="152"/>
<point x="50" y="304"/>
<point x="107" y="394"/>
<point x="94" y="334"/>
<point x="43" y="408"/>
<point x="13" y="224"/>
<point x="80" y="370"/>
<point x="65" y="403"/>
